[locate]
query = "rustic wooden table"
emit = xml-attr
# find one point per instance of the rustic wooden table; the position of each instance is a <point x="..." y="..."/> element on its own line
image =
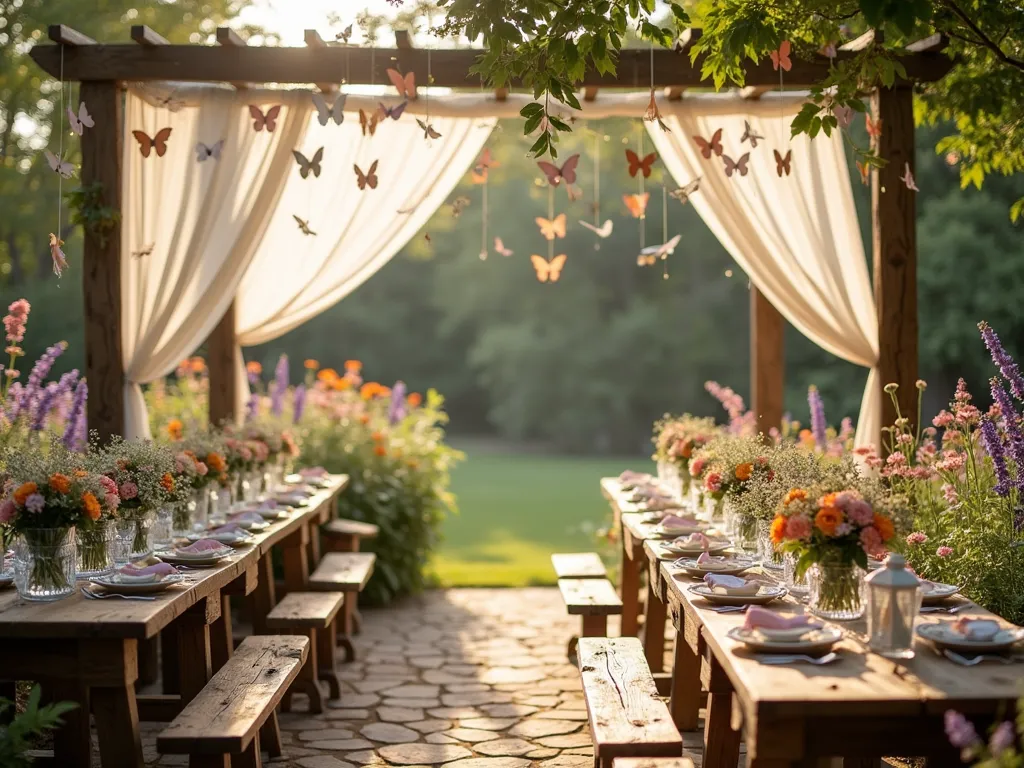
<point x="861" y="707"/>
<point x="86" y="651"/>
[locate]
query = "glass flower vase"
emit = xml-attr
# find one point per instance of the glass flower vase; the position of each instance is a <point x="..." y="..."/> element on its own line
<point x="182" y="515"/>
<point x="133" y="537"/>
<point x="746" y="533"/>
<point x="769" y="557"/>
<point x="836" y="591"/>
<point x="160" y="536"/>
<point x="201" y="512"/>
<point x="96" y="549"/>
<point x="44" y="564"/>
<point x="796" y="587"/>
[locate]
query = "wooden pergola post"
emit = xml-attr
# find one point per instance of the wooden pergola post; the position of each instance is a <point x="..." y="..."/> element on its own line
<point x="220" y="359"/>
<point x="101" y="263"/>
<point x="894" y="244"/>
<point x="767" y="361"/>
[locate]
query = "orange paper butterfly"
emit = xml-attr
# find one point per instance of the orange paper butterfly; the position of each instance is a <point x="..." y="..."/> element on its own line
<point x="406" y="86"/>
<point x="158" y="143"/>
<point x="368" y="124"/>
<point x="708" y="147"/>
<point x="368" y="179"/>
<point x="552" y="228"/>
<point x="261" y="120"/>
<point x="782" y="163"/>
<point x="636" y="164"/>
<point x="780" y="58"/>
<point x="548" y="270"/>
<point x="874" y="126"/>
<point x="865" y="172"/>
<point x="637" y="204"/>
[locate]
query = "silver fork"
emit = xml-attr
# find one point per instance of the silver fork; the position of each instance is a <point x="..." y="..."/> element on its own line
<point x="98" y="596"/>
<point x="941" y="609"/>
<point x="730" y="609"/>
<point x="965" y="661"/>
<point x="828" y="658"/>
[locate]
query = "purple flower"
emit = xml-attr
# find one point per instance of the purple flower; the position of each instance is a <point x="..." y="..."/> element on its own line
<point x="959" y="730"/>
<point x="13" y="401"/>
<point x="1006" y="364"/>
<point x="35" y="503"/>
<point x="1002" y="739"/>
<point x="40" y="371"/>
<point x="67" y="382"/>
<point x="817" y="406"/>
<point x="298" y="403"/>
<point x="397" y="410"/>
<point x="280" y="386"/>
<point x="43" y="407"/>
<point x="994" y="447"/>
<point x="252" y="408"/>
<point x="1011" y="424"/>
<point x="74" y="432"/>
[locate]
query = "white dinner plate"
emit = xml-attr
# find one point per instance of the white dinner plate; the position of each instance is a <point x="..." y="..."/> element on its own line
<point x="937" y="593"/>
<point x="943" y="636"/>
<point x="814" y="641"/>
<point x="731" y="567"/>
<point x="253" y="526"/>
<point x="765" y="594"/>
<point x="112" y="583"/>
<point x="236" y="539"/>
<point x="715" y="548"/>
<point x="197" y="559"/>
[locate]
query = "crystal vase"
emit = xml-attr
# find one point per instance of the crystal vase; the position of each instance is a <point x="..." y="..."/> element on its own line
<point x="44" y="563"/>
<point x="796" y="587"/>
<point x="836" y="591"/>
<point x="96" y="544"/>
<point x="160" y="536"/>
<point x="133" y="537"/>
<point x="182" y="515"/>
<point x="201" y="512"/>
<point x="746" y="533"/>
<point x="766" y="548"/>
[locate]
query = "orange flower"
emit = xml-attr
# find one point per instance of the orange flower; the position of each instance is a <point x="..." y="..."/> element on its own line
<point x="828" y="519"/>
<point x="340" y="384"/>
<point x="167" y="482"/>
<point x="327" y="375"/>
<point x="368" y="390"/>
<point x="383" y="391"/>
<point x="364" y="419"/>
<point x="197" y="364"/>
<point x="380" y="450"/>
<point x="80" y="473"/>
<point x="175" y="429"/>
<point x="24" y="491"/>
<point x="793" y="495"/>
<point x="806" y="436"/>
<point x="778" y="529"/>
<point x="60" y="483"/>
<point x="743" y="471"/>
<point x="414" y="399"/>
<point x="829" y="500"/>
<point x="687" y="451"/>
<point x="254" y="368"/>
<point x="92" y="506"/>
<point x="353" y="366"/>
<point x="215" y="461"/>
<point x="885" y="527"/>
<point x="377" y="437"/>
<point x="311" y="364"/>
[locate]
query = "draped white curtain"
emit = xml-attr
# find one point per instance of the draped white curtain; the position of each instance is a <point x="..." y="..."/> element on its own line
<point x="204" y="221"/>
<point x="795" y="236"/>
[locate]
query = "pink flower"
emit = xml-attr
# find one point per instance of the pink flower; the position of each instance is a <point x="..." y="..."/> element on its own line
<point x="108" y="485"/>
<point x="871" y="541"/>
<point x="798" y="528"/>
<point x="201" y="468"/>
<point x="943" y="419"/>
<point x="944" y="551"/>
<point x="14" y="322"/>
<point x="128" y="490"/>
<point x="951" y="461"/>
<point x="112" y="500"/>
<point x="904" y="439"/>
<point x="697" y="467"/>
<point x="949" y="493"/>
<point x="713" y="482"/>
<point x="860" y="513"/>
<point x="843" y="529"/>
<point x="7" y="511"/>
<point x="35" y="503"/>
<point x="917" y="537"/>
<point x="896" y="460"/>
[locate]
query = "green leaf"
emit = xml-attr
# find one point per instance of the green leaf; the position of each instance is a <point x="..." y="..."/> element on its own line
<point x="533" y="108"/>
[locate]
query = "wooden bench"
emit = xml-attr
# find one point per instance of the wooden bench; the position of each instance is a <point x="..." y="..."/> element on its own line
<point x="346" y="572"/>
<point x="593" y="599"/>
<point x="653" y="762"/>
<point x="578" y="565"/>
<point x="343" y="535"/>
<point x="627" y="719"/>
<point x="237" y="707"/>
<point x="313" y="614"/>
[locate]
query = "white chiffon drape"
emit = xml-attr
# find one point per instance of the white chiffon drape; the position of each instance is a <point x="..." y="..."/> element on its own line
<point x="795" y="236"/>
<point x="204" y="221"/>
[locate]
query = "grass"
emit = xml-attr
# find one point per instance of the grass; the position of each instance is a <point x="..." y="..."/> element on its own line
<point x="516" y="509"/>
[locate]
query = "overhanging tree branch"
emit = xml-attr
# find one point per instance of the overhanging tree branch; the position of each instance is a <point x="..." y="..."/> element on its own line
<point x="983" y="39"/>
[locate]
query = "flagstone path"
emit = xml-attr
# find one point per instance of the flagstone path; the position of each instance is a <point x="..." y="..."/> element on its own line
<point x="467" y="678"/>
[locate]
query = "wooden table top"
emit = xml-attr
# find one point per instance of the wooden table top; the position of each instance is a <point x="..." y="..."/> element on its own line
<point x="861" y="683"/>
<point x="79" y="617"/>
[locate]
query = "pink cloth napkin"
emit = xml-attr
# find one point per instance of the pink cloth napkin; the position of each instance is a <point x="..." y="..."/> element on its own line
<point x="758" y="617"/>
<point x="679" y="521"/>
<point x="162" y="569"/>
<point x="976" y="629"/>
<point x="203" y="545"/>
<point x="247" y="517"/>
<point x="228" y="528"/>
<point x="631" y="475"/>
<point x="731" y="585"/>
<point x="705" y="558"/>
<point x="313" y="472"/>
<point x="696" y="539"/>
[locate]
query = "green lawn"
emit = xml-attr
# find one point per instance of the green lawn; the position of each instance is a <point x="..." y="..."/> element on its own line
<point x="515" y="509"/>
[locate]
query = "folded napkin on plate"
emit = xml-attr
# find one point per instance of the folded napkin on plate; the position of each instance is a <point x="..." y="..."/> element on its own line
<point x="762" y="618"/>
<point x="711" y="561"/>
<point x="313" y="472"/>
<point x="160" y="569"/>
<point x="696" y="539"/>
<point x="203" y="545"/>
<point x="976" y="629"/>
<point x="246" y="517"/>
<point x="731" y="585"/>
<point x="228" y="528"/>
<point x="658" y="503"/>
<point x="679" y="521"/>
<point x="630" y="475"/>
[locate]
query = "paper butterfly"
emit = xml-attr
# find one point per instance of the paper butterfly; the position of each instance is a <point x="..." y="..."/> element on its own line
<point x="170" y="103"/>
<point x="552" y="228"/>
<point x="683" y="193"/>
<point x="59" y="260"/>
<point x="548" y="270"/>
<point x="144" y="251"/>
<point x="556" y="174"/>
<point x="707" y="147"/>
<point x="82" y="120"/>
<point x="261" y="120"/>
<point x="158" y="143"/>
<point x="313" y="164"/>
<point x="780" y="58"/>
<point x="483" y="164"/>
<point x="637" y="204"/>
<point x="652" y="253"/>
<point x="66" y="170"/>
<point x="782" y="163"/>
<point x="205" y="152"/>
<point x="393" y="112"/>
<point x="749" y="134"/>
<point x="368" y="179"/>
<point x="303" y="225"/>
<point x="865" y="172"/>
<point x="637" y="165"/>
<point x="874" y="126"/>
<point x="500" y="247"/>
<point x="344" y="35"/>
<point x="574" y="193"/>
<point x="459" y="204"/>
<point x="908" y="178"/>
<point x="652" y="113"/>
<point x="406" y="86"/>
<point x="844" y="115"/>
<point x="428" y="130"/>
<point x="368" y="124"/>
<point x="335" y="112"/>
<point x="736" y="165"/>
<point x="603" y="231"/>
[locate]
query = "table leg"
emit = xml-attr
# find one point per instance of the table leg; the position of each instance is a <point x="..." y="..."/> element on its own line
<point x="721" y="742"/>
<point x="314" y="544"/>
<point x="169" y="659"/>
<point x="148" y="666"/>
<point x="195" y="664"/>
<point x="263" y="599"/>
<point x="72" y="743"/>
<point x="295" y="560"/>
<point x="685" y="702"/>
<point x="222" y="642"/>
<point x="117" y="725"/>
<point x="654" y="629"/>
<point x="630" y="589"/>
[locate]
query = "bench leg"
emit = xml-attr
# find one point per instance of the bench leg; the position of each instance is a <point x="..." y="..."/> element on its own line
<point x="194" y="661"/>
<point x="630" y="589"/>
<point x="264" y="597"/>
<point x="685" y="701"/>
<point x="326" y="641"/>
<point x="654" y="630"/>
<point x="72" y="743"/>
<point x="307" y="681"/>
<point x="721" y="742"/>
<point x="222" y="643"/>
<point x="595" y="626"/>
<point x="209" y="761"/>
<point x="295" y="560"/>
<point x="251" y="757"/>
<point x="345" y="633"/>
<point x="313" y="552"/>
<point x="270" y="735"/>
<point x="117" y="726"/>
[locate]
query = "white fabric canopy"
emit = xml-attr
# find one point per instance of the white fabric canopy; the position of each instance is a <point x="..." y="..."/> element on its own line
<point x="795" y="236"/>
<point x="204" y="222"/>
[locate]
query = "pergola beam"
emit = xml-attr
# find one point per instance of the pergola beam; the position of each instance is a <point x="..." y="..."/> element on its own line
<point x="313" y="40"/>
<point x="143" y="35"/>
<point x="230" y="39"/>
<point x="767" y="361"/>
<point x="754" y="92"/>
<point x="65" y="35"/>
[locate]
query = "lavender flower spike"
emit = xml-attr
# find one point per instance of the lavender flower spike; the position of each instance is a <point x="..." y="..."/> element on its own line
<point x="252" y="408"/>
<point x="994" y="447"/>
<point x="818" y="427"/>
<point x="1006" y="364"/>
<point x="43" y="406"/>
<point x="40" y="371"/>
<point x="397" y="410"/>
<point x="280" y="386"/>
<point x="298" y="403"/>
<point x="1012" y="427"/>
<point x="74" y="432"/>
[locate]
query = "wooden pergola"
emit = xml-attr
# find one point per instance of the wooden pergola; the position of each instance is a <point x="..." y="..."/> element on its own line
<point x="103" y="69"/>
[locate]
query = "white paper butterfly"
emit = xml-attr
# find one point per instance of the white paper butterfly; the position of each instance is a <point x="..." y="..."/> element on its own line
<point x="325" y="114"/>
<point x="82" y="120"/>
<point x="204" y="151"/>
<point x="603" y="231"/>
<point x="67" y="170"/>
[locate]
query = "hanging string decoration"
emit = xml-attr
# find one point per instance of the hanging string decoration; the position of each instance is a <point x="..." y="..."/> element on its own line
<point x="64" y="170"/>
<point x="652" y="254"/>
<point x="750" y="135"/>
<point x="550" y="269"/>
<point x="479" y="174"/>
<point x="712" y="146"/>
<point x="652" y="113"/>
<point x="908" y="178"/>
<point x="429" y="132"/>
<point x="682" y="194"/>
<point x="555" y="175"/>
<point x="601" y="230"/>
<point x="81" y="121"/>
<point x="782" y="63"/>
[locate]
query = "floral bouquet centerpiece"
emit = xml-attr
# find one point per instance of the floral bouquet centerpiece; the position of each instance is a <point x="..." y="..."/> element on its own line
<point x="47" y="496"/>
<point x="675" y="441"/>
<point x="831" y="533"/>
<point x="143" y="472"/>
<point x="191" y="476"/>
